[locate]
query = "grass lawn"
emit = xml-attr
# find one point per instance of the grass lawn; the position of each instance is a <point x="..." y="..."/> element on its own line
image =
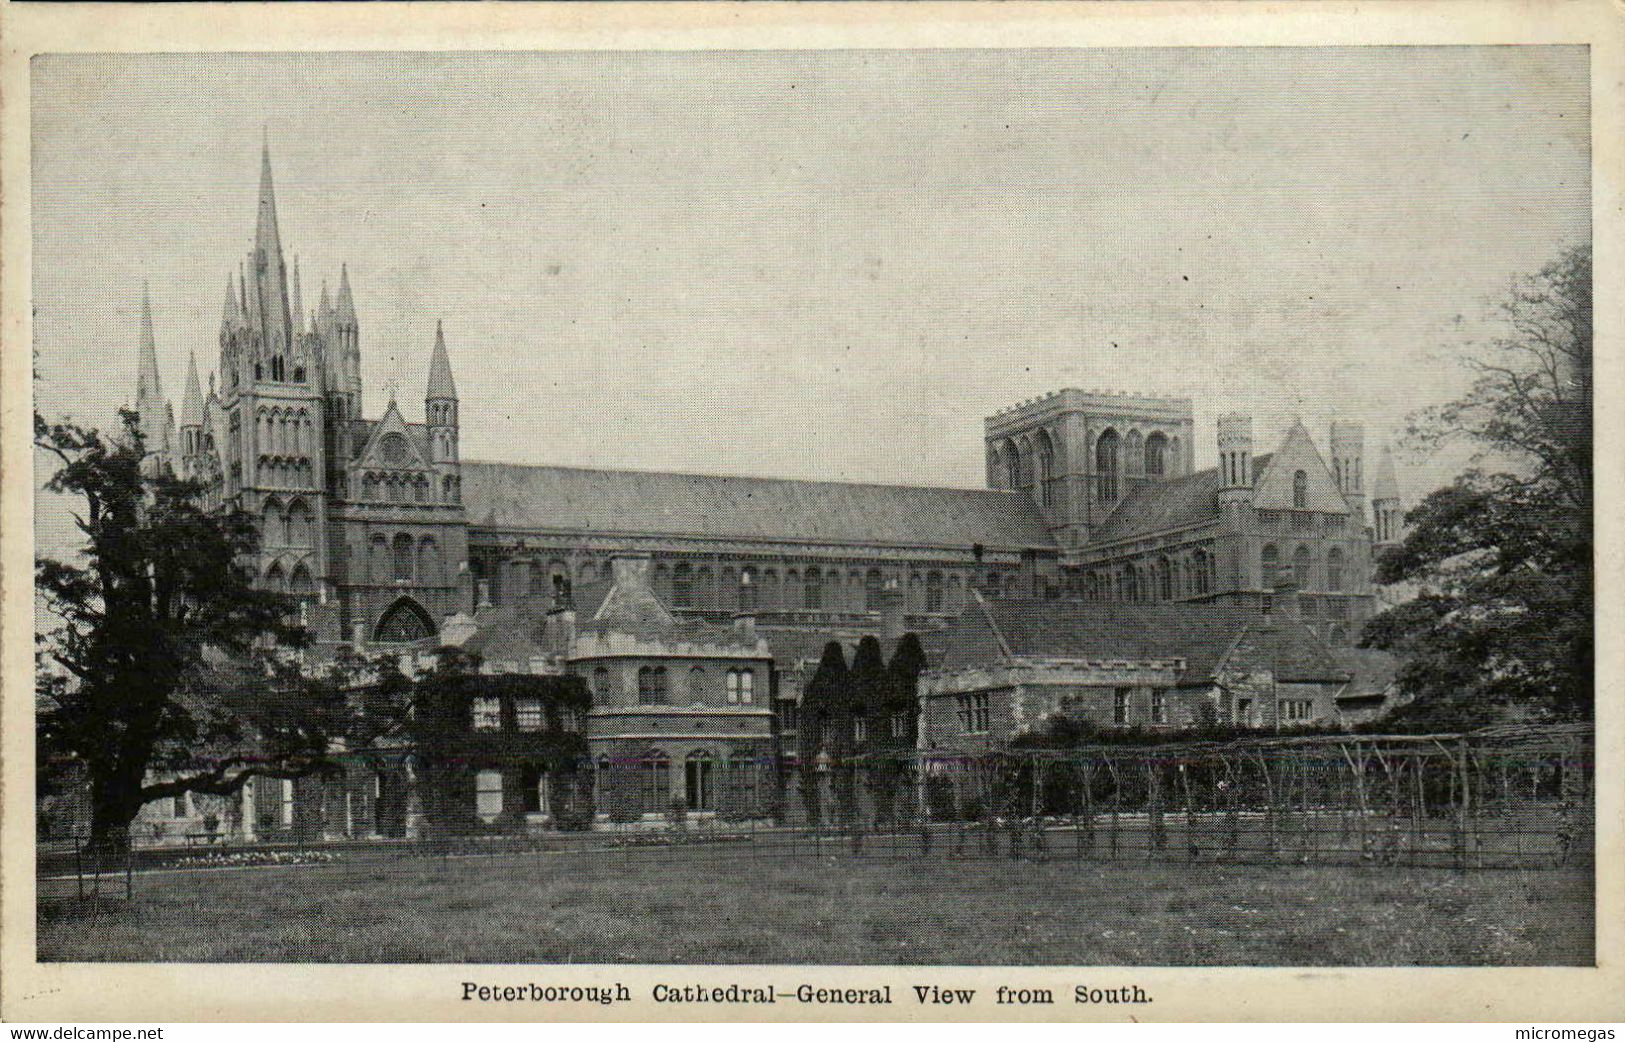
<point x="685" y="908"/>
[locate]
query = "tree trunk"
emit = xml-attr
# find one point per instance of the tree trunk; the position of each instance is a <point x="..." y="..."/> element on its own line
<point x="115" y="800"/>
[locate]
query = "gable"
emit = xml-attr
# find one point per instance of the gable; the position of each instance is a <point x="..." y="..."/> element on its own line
<point x="392" y="446"/>
<point x="1275" y="484"/>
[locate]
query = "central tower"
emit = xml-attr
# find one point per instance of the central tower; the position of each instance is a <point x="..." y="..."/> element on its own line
<point x="1079" y="454"/>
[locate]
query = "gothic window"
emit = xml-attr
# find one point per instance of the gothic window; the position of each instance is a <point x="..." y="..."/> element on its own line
<point x="1301" y="567"/>
<point x="872" y="585"/>
<point x="1134" y="453"/>
<point x="812" y="590"/>
<point x="1047" y="492"/>
<point x="1106" y="461"/>
<point x="1012" y="465"/>
<point x="747" y="589"/>
<point x="933" y="591"/>
<point x="299" y="524"/>
<point x="393" y="449"/>
<point x="404" y="623"/>
<point x="445" y="490"/>
<point x="682" y="586"/>
<point x="697" y="782"/>
<point x="1131" y="590"/>
<point x="1300" y="490"/>
<point x="275" y="580"/>
<point x="275" y="530"/>
<point x="1269" y="566"/>
<point x="402" y="558"/>
<point x="1165" y="580"/>
<point x="727" y="588"/>
<point x="651" y="685"/>
<point x="427" y="560"/>
<point x="1026" y="459"/>
<point x="704" y="592"/>
<point x="589" y="574"/>
<point x="1202" y="571"/>
<point x="538" y="580"/>
<point x="1334" y="569"/>
<point x="1156" y="455"/>
<point x="379" y="554"/>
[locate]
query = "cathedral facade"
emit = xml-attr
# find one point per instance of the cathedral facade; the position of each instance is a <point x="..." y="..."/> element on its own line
<point x="385" y="533"/>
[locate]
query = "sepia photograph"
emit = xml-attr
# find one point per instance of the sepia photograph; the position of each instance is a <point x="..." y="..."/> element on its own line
<point x="1030" y="506"/>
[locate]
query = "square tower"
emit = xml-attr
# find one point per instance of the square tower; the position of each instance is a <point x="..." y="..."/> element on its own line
<point x="1080" y="453"/>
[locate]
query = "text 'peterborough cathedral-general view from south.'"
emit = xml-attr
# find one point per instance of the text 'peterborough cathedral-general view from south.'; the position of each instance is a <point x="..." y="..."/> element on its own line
<point x="1099" y="568"/>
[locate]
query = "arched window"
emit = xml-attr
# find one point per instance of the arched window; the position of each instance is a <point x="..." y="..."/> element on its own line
<point x="1026" y="459"/>
<point x="1156" y="455"/>
<point x="301" y="584"/>
<point x="275" y="580"/>
<point x="428" y="560"/>
<point x="274" y="527"/>
<point x="1131" y="591"/>
<point x="705" y="593"/>
<point x="1165" y="580"/>
<point x="933" y="591"/>
<point x="733" y="686"/>
<point x="656" y="769"/>
<point x="747" y="589"/>
<point x="873" y="583"/>
<point x="1201" y="571"/>
<point x="402" y="547"/>
<point x="812" y="590"/>
<point x="1176" y="576"/>
<point x="698" y="771"/>
<point x="1300" y="490"/>
<point x="682" y="586"/>
<point x="588" y="574"/>
<point x="1047" y="493"/>
<point x="1134" y="453"/>
<point x="1106" y="461"/>
<point x="646" y="686"/>
<point x="380" y="558"/>
<point x="600" y="685"/>
<point x="299" y="524"/>
<point x="1302" y="564"/>
<point x="1269" y="566"/>
<point x="1012" y="465"/>
<point x="770" y="589"/>
<point x="1334" y="569"/>
<point x="404" y="623"/>
<point x="747" y="686"/>
<point x="696" y="684"/>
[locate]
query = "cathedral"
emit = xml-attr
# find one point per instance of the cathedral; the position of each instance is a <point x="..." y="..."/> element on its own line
<point x="1097" y="549"/>
<point x="384" y="532"/>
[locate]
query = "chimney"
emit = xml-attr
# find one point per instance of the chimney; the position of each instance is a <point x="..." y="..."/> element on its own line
<point x="892" y="609"/>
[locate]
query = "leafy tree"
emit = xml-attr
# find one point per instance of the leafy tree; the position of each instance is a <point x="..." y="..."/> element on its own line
<point x="1501" y="625"/>
<point x="825" y="718"/>
<point x="165" y="660"/>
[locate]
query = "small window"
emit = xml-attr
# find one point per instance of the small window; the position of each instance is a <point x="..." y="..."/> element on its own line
<point x="860" y="729"/>
<point x="787" y="714"/>
<point x="899" y="725"/>
<point x="1120" y="705"/>
<point x="1159" y="706"/>
<point x="528" y="713"/>
<point x="733" y="687"/>
<point x="980" y="713"/>
<point x="600" y="685"/>
<point x="1300" y="490"/>
<point x="487" y="713"/>
<point x="1296" y="710"/>
<point x="747" y="684"/>
<point x="488" y="795"/>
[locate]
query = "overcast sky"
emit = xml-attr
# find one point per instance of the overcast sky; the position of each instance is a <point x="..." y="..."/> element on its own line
<point x="823" y="264"/>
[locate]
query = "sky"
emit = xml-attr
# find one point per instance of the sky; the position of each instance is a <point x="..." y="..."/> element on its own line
<point x="823" y="265"/>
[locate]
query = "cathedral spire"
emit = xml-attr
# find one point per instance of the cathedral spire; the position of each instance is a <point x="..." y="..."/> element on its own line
<point x="346" y="303"/>
<point x="297" y="305"/>
<point x="267" y="240"/>
<point x="441" y="385"/>
<point x="192" y="403"/>
<point x="230" y="314"/>
<point x="147" y="386"/>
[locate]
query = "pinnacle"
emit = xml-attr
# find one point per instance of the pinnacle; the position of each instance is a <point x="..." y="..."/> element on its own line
<point x="441" y="384"/>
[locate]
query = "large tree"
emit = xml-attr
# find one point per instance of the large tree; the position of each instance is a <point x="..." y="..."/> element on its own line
<point x="1501" y="560"/>
<point x="167" y="671"/>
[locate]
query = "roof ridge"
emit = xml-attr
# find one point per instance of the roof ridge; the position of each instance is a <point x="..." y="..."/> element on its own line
<point x="738" y="477"/>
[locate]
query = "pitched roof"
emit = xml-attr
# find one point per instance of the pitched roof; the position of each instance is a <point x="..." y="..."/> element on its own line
<point x="441" y="385"/>
<point x="1274" y="488"/>
<point x="1207" y="637"/>
<point x="1386" y="485"/>
<point x="624" y="501"/>
<point x="1161" y="505"/>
